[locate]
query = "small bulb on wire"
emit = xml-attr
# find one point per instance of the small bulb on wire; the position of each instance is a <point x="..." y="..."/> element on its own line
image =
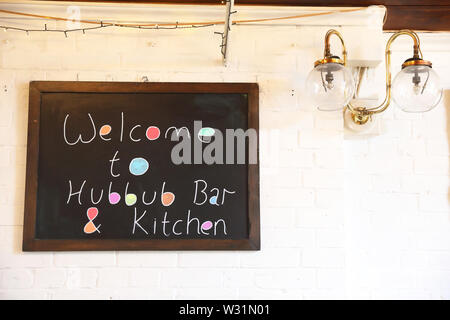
<point x="329" y="78"/>
<point x="416" y="81"/>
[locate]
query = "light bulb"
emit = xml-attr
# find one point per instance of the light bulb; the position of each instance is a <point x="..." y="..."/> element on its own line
<point x="416" y="89"/>
<point x="331" y="86"/>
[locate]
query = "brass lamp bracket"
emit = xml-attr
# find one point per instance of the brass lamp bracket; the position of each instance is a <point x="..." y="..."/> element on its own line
<point x="361" y="115"/>
<point x="327" y="56"/>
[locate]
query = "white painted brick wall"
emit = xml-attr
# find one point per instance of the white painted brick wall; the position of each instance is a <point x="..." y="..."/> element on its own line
<point x="356" y="218"/>
<point x="397" y="199"/>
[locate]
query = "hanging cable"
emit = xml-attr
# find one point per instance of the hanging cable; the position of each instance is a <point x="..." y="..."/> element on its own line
<point x="152" y="26"/>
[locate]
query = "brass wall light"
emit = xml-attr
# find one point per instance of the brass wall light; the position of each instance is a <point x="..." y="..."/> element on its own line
<point x="416" y="88"/>
<point x="330" y="83"/>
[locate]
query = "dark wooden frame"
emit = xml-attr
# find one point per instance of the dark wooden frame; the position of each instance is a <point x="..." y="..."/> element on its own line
<point x="431" y="15"/>
<point x="30" y="243"/>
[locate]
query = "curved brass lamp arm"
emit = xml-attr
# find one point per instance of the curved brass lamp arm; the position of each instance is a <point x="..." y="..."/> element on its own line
<point x="417" y="53"/>
<point x="327" y="51"/>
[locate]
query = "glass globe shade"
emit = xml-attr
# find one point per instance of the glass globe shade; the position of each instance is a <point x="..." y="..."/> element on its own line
<point x="416" y="88"/>
<point x="331" y="86"/>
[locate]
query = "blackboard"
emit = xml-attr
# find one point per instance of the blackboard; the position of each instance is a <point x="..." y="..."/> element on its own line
<point x="142" y="166"/>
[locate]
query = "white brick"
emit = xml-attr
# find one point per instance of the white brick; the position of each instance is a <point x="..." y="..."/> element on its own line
<point x="21" y="60"/>
<point x="374" y="164"/>
<point x="81" y="278"/>
<point x="434" y="203"/>
<point x="277" y="44"/>
<point x="431" y="165"/>
<point x="11" y="255"/>
<point x="113" y="278"/>
<point x="269" y="64"/>
<point x="266" y="294"/>
<point x="434" y="241"/>
<point x="81" y="294"/>
<point x="85" y="259"/>
<point x="296" y="158"/>
<point x="429" y="128"/>
<point x="93" y="61"/>
<point x="3" y="197"/>
<point x="208" y="260"/>
<point x="397" y="128"/>
<point x="321" y="294"/>
<point x="397" y="279"/>
<point x="424" y="183"/>
<point x="23" y="294"/>
<point x="438" y="148"/>
<point x="284" y="177"/>
<point x="239" y="278"/>
<point x="329" y="159"/>
<point x="202" y="294"/>
<point x="330" y="238"/>
<point x="323" y="257"/>
<point x="434" y="280"/>
<point x="288" y="279"/>
<point x="320" y="139"/>
<point x="6" y="119"/>
<point x="329" y="122"/>
<point x="148" y="278"/>
<point x="143" y="294"/>
<point x="323" y="179"/>
<point x="146" y="259"/>
<point x="10" y="177"/>
<point x="289" y="137"/>
<point x="288" y="197"/>
<point x="330" y="199"/>
<point x="314" y="218"/>
<point x="331" y="278"/>
<point x="11" y="214"/>
<point x="439" y="260"/>
<point x="16" y="279"/>
<point x="288" y="238"/>
<point x="271" y="258"/>
<point x="50" y="278"/>
<point x="412" y="147"/>
<point x="386" y="183"/>
<point x="426" y="222"/>
<point x="399" y="202"/>
<point x="415" y="259"/>
<point x="197" y="278"/>
<point x="400" y="294"/>
<point x="277" y="217"/>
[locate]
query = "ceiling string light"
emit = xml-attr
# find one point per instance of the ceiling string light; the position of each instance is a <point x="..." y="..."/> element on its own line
<point x="100" y="24"/>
